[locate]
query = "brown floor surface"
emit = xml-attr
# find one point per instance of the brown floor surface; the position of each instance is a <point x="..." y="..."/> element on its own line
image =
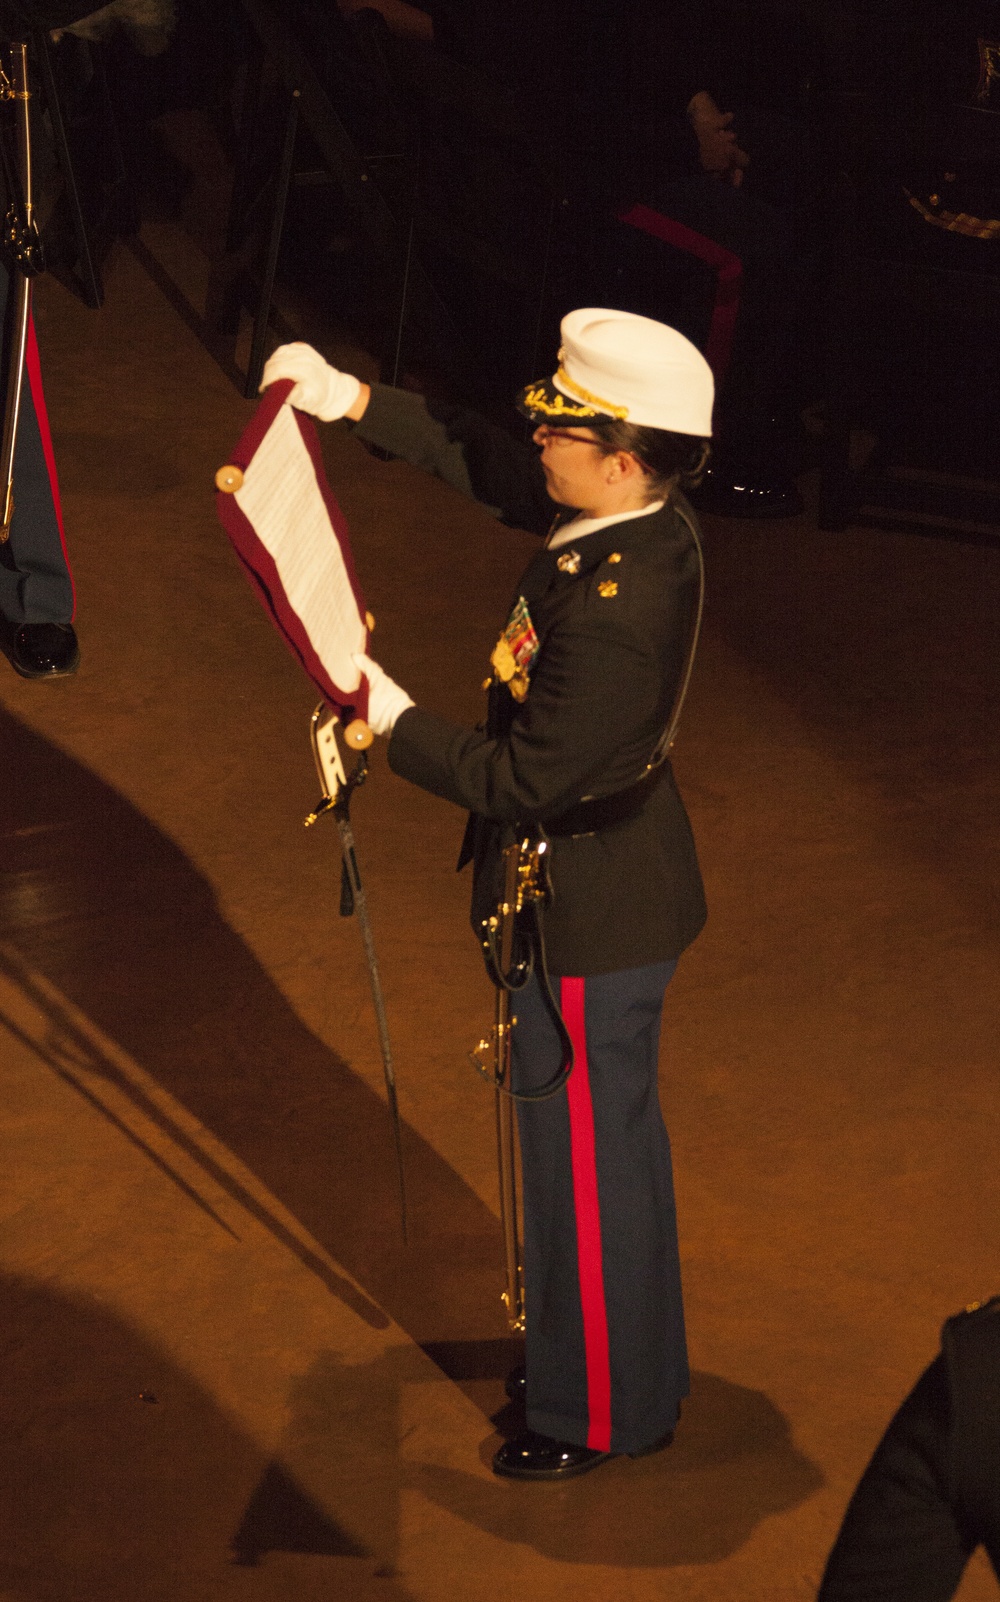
<point x="198" y="1189"/>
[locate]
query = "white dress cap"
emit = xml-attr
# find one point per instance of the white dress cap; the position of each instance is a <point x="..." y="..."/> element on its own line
<point x="636" y="369"/>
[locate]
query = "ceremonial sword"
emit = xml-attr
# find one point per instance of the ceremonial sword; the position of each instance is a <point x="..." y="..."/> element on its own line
<point x="338" y="788"/>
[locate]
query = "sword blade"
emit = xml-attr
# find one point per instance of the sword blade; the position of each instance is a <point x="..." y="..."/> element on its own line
<point x="19" y="222"/>
<point x="378" y="1001"/>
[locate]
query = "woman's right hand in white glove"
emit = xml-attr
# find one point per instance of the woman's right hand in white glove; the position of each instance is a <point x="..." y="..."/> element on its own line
<point x="319" y="388"/>
<point x="386" y="700"/>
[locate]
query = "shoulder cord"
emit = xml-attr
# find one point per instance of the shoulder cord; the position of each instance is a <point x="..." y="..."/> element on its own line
<point x="666" y="740"/>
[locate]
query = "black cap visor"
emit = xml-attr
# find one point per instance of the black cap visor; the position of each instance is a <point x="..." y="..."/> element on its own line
<point x="541" y="402"/>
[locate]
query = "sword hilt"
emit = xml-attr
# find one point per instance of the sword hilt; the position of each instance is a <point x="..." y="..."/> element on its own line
<point x="323" y="806"/>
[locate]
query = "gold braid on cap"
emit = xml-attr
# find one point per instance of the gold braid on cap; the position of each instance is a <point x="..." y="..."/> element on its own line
<point x="621" y="412"/>
<point x="536" y="400"/>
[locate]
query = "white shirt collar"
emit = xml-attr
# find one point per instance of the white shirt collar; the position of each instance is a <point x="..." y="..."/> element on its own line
<point x="580" y="527"/>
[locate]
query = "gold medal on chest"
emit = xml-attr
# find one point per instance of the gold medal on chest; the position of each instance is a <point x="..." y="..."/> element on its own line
<point x="569" y="563"/>
<point x="515" y="652"/>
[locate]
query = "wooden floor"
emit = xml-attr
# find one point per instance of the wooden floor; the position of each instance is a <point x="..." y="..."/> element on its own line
<point x="226" y="1378"/>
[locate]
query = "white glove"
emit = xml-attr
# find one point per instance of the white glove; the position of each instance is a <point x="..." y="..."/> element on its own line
<point x="386" y="701"/>
<point x="319" y="388"/>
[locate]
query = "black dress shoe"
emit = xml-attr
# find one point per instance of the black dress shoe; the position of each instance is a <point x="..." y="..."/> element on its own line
<point x="516" y="1383"/>
<point x="45" y="650"/>
<point x="539" y="1457"/>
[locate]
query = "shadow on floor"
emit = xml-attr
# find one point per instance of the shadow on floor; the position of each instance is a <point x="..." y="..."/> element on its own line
<point x="106" y="908"/>
<point x="733" y="1463"/>
<point x="120" y="1477"/>
<point x="98" y="901"/>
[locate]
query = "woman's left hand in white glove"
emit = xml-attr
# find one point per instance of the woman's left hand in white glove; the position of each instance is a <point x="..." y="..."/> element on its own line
<point x="319" y="388"/>
<point x="386" y="701"/>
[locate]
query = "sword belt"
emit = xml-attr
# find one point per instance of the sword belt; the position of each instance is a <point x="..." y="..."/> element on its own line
<point x="605" y="811"/>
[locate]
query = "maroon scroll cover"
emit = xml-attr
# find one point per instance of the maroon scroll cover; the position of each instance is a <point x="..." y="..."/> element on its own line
<point x="291" y="536"/>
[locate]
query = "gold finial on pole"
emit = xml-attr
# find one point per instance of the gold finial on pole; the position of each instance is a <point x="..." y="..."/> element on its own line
<point x="229" y="479"/>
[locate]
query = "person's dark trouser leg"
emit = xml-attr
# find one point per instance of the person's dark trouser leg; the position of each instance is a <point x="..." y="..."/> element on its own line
<point x="35" y="582"/>
<point x="763" y="348"/>
<point x="605" y="1348"/>
<point x="775" y="223"/>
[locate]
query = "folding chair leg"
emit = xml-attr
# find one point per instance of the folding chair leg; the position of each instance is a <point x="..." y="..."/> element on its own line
<point x="90" y="273"/>
<point x="243" y="166"/>
<point x="836" y="480"/>
<point x="838" y="488"/>
<point x="282" y="183"/>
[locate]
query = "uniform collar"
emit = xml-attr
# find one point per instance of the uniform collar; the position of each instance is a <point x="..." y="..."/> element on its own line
<point x="556" y="568"/>
<point x="617" y="534"/>
<point x="579" y="527"/>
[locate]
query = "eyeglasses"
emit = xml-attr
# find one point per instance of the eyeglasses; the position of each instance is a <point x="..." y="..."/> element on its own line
<point x="559" y="436"/>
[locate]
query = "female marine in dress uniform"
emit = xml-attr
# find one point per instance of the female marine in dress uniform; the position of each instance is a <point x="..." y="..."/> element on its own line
<point x="601" y="627"/>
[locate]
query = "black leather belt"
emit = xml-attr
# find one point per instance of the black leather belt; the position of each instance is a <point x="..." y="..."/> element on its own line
<point x="604" y="811"/>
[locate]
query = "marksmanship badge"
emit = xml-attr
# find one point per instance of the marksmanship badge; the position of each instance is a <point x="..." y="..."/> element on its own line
<point x="515" y="651"/>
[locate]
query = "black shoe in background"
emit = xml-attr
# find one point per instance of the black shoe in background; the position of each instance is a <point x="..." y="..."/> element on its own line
<point x="728" y="494"/>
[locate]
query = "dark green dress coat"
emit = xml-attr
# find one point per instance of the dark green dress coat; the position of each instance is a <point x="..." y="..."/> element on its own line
<point x="612" y="639"/>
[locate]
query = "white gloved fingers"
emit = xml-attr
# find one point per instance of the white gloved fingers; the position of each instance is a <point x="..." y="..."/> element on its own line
<point x="297" y="360"/>
<point x="386" y="700"/>
<point x="303" y="365"/>
<point x="319" y="389"/>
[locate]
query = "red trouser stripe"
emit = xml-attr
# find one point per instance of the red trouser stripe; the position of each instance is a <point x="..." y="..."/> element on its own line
<point x="33" y="367"/>
<point x="728" y="278"/>
<point x="588" y="1222"/>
